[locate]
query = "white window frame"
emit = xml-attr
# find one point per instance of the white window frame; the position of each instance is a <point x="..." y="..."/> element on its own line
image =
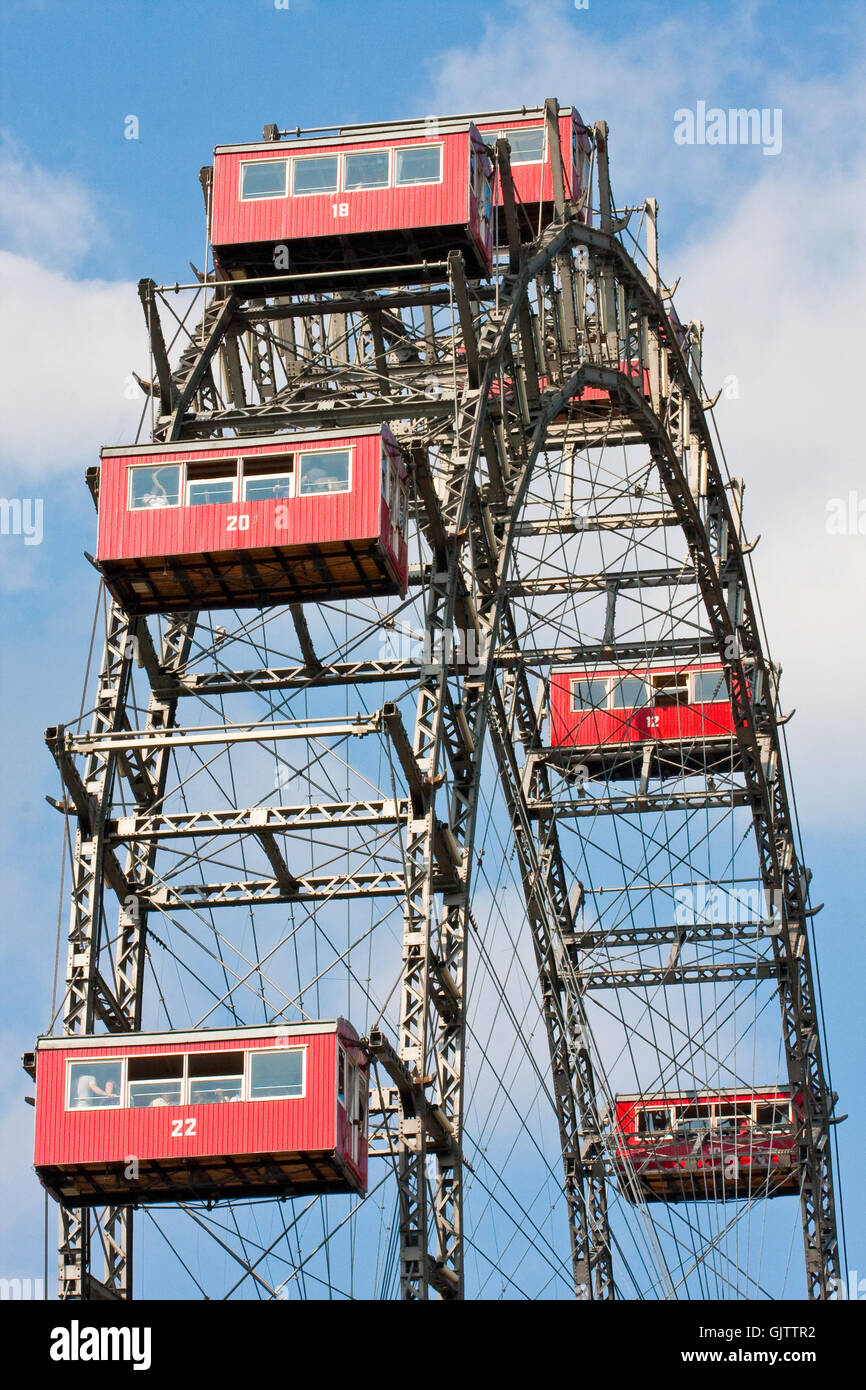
<point x="318" y="192"/>
<point x="373" y="187"/>
<point x="288" y="476"/>
<point x="422" y="145"/>
<point x="516" y="130"/>
<point x="723" y="699"/>
<point x="262" y="197"/>
<point x="94" y="1061"/>
<point x="170" y="506"/>
<point x="140" y="1056"/>
<point x="588" y="709"/>
<point x="192" y="482"/>
<point x="268" y="1051"/>
<point x="301" y="454"/>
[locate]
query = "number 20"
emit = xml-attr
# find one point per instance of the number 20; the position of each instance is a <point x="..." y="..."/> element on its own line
<point x="238" y="523"/>
<point x="182" y="1129"/>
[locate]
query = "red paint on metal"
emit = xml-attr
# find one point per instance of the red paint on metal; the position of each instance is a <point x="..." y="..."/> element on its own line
<point x="343" y="212"/>
<point x="708" y="1163"/>
<point x="533" y="182"/>
<point x="609" y="727"/>
<point x="358" y="517"/>
<point x="313" y="1123"/>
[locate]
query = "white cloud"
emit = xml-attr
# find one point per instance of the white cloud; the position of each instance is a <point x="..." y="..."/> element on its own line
<point x="44" y="216"/>
<point x="772" y="260"/>
<point x="69" y="345"/>
<point x="65" y="358"/>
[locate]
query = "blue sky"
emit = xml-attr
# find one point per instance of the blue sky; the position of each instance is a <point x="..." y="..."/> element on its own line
<point x="771" y="255"/>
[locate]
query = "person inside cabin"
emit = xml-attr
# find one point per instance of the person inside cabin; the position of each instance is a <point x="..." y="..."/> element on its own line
<point x="89" y="1093"/>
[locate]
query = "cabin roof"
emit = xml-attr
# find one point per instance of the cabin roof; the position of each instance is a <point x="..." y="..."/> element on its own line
<point x="198" y="1035"/>
<point x="318" y="137"/>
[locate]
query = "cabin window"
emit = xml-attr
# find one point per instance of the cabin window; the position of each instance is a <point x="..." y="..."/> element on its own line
<point x="709" y="687"/>
<point x="670" y="690"/>
<point x="527" y="145"/>
<point x="773" y="1115"/>
<point x="367" y="170"/>
<point x="265" y="178"/>
<point x="589" y="694"/>
<point x="211" y="482"/>
<point x="418" y="164"/>
<point x="629" y="693"/>
<point x="277" y="1075"/>
<point x="154" y="1081"/>
<point x="93" y="1085"/>
<point x="215" y="1077"/>
<point x="341" y="1076"/>
<point x="154" y="487"/>
<point x="653" y="1121"/>
<point x="317" y="175"/>
<point x="268" y="478"/>
<point x="695" y="1117"/>
<point x="324" y="471"/>
<point x="733" y="1114"/>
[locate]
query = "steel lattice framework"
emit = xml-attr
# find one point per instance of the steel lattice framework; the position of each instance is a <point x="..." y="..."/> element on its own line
<point x="483" y="386"/>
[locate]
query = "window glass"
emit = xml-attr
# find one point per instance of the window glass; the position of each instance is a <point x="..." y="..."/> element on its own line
<point x="265" y="178"/>
<point x="772" y="1115"/>
<point x="155" y="1080"/>
<point x="734" y="1114"/>
<point x="654" y="1121"/>
<point x="527" y="146"/>
<point x="154" y="487"/>
<point x="341" y="1076"/>
<point x="206" y="491"/>
<point x="670" y="690"/>
<point x="366" y="170"/>
<point x="418" y="164"/>
<point x="709" y="687"/>
<point x="629" y="693"/>
<point x="94" y="1085"/>
<point x="277" y="1075"/>
<point x="317" y="175"/>
<point x="150" y="1094"/>
<point x="589" y="694"/>
<point x="215" y="1077"/>
<point x="267" y="487"/>
<point x="324" y="471"/>
<point x="695" y="1117"/>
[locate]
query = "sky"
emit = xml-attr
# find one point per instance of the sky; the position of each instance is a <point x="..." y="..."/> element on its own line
<point x="768" y="247"/>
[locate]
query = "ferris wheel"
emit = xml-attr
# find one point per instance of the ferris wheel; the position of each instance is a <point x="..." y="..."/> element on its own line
<point x="436" y="887"/>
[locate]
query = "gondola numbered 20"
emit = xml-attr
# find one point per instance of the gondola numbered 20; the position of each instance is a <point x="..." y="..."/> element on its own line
<point x="251" y="523"/>
<point x="276" y="1110"/>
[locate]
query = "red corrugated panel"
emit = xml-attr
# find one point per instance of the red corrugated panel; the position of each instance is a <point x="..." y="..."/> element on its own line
<point x="675" y="723"/>
<point x="353" y="516"/>
<point x="90" y="1136"/>
<point x="312" y="215"/>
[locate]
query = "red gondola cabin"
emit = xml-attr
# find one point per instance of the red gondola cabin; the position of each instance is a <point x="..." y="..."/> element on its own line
<point x="260" y="1111"/>
<point x="707" y="1145"/>
<point x="362" y="200"/>
<point x="609" y="715"/>
<point x="531" y="169"/>
<point x="248" y="523"/>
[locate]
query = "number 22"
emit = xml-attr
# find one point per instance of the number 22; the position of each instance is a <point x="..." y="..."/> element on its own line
<point x="181" y="1129"/>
